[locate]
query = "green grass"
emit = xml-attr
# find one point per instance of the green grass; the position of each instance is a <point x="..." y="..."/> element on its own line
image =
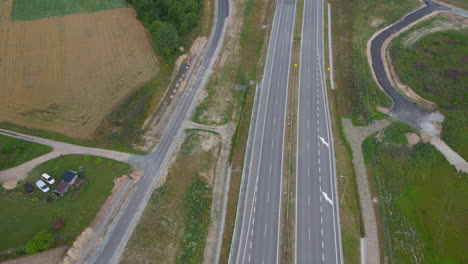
<point x="178" y="213"/>
<point x="14" y="152"/>
<point x="436" y="68"/>
<point x="35" y="9"/>
<point x="197" y="206"/>
<point x="21" y="218"/>
<point x="422" y="204"/>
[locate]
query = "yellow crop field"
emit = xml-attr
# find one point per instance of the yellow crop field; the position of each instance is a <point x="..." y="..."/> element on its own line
<point x="65" y="74"/>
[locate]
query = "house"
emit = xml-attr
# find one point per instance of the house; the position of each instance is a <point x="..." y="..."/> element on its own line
<point x="67" y="180"/>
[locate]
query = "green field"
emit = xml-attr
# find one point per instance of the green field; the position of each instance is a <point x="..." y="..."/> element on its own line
<point x="436" y="67"/>
<point x="22" y="218"/>
<point x="422" y="200"/>
<point x="35" y="9"/>
<point x="14" y="152"/>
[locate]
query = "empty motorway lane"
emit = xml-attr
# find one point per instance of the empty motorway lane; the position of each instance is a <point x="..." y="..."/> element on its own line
<point x="317" y="219"/>
<point x="257" y="234"/>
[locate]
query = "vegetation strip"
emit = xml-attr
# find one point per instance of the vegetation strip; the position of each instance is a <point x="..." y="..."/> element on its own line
<point x="179" y="210"/>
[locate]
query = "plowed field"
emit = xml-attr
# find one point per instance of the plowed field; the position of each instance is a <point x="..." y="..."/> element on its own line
<point x="65" y="74"/>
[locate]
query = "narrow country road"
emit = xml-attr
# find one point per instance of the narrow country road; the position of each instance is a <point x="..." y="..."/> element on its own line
<point x="120" y="230"/>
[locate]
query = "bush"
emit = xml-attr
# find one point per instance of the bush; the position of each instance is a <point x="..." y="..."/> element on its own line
<point x="166" y="40"/>
<point x="42" y="241"/>
<point x="35" y="199"/>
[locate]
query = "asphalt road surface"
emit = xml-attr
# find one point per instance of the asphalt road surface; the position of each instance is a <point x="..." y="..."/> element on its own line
<point x="111" y="249"/>
<point x="403" y="109"/>
<point x="317" y="218"/>
<point x="257" y="234"/>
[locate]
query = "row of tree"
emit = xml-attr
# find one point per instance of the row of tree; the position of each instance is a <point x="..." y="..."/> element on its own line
<point x="167" y="20"/>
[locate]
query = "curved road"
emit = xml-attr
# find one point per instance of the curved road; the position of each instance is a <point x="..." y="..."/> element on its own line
<point x="120" y="230"/>
<point x="403" y="109"/>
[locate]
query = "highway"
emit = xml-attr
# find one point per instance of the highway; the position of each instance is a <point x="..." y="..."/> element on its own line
<point x="120" y="230"/>
<point x="317" y="210"/>
<point x="257" y="232"/>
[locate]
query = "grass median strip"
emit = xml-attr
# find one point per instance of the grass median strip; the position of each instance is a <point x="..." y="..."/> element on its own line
<point x="175" y="223"/>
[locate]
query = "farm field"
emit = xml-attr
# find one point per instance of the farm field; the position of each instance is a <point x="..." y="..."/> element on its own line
<point x="34" y="9"/>
<point x="24" y="215"/>
<point x="65" y="74"/>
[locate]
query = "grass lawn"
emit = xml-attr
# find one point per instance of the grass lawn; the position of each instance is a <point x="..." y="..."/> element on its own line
<point x="178" y="214"/>
<point x="422" y="200"/>
<point x="14" y="152"/>
<point x="436" y="67"/>
<point x="22" y="218"/>
<point x="35" y="9"/>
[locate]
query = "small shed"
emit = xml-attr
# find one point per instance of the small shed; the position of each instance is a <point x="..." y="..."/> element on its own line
<point x="68" y="179"/>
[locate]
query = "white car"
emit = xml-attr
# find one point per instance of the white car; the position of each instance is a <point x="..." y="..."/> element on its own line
<point x="42" y="186"/>
<point x="47" y="178"/>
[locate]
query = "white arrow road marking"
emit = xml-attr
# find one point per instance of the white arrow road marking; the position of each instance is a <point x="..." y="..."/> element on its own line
<point x="327" y="198"/>
<point x="323" y="141"/>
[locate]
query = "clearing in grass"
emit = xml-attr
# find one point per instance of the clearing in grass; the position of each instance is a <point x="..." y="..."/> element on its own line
<point x="421" y="198"/>
<point x="14" y="152"/>
<point x="66" y="74"/>
<point x="24" y="215"/>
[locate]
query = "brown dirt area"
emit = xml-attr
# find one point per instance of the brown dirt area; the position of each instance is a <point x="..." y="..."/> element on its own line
<point x="47" y="257"/>
<point x="65" y="74"/>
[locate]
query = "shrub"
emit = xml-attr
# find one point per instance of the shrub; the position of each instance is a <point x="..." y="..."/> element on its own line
<point x="42" y="241"/>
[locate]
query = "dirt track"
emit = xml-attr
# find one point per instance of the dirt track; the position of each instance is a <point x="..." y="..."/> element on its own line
<point x="65" y="74"/>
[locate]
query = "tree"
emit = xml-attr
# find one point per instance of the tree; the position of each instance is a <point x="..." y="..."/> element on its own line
<point x="166" y="40"/>
<point x="42" y="241"/>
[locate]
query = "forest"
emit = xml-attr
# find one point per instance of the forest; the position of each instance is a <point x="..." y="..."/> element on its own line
<point x="168" y="21"/>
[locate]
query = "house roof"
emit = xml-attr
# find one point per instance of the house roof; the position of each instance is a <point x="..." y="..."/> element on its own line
<point x="69" y="176"/>
<point x="62" y="187"/>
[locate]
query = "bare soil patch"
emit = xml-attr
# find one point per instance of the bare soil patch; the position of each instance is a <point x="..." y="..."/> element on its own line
<point x="65" y="74"/>
<point x="412" y="138"/>
<point x="47" y="257"/>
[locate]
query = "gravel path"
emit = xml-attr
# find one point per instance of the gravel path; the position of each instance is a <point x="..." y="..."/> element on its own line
<point x="356" y="136"/>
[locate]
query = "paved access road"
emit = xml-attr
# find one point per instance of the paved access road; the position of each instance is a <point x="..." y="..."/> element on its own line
<point x="403" y="109"/>
<point x="110" y="250"/>
<point x="317" y="211"/>
<point x="257" y="234"/>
